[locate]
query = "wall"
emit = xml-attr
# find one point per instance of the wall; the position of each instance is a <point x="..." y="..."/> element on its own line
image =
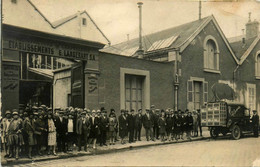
<point x="61" y="88"/>
<point x="246" y="74"/>
<point x="161" y="80"/>
<point x="192" y="64"/>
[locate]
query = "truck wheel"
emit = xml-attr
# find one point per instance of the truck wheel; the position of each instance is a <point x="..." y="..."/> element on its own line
<point x="213" y="133"/>
<point x="236" y="132"/>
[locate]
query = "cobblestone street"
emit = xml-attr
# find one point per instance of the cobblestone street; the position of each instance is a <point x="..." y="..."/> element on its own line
<point x="220" y="152"/>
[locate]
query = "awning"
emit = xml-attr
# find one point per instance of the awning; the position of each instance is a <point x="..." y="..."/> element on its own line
<point x="44" y="72"/>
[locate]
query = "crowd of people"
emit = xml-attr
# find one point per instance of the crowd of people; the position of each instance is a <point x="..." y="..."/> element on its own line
<point x="42" y="130"/>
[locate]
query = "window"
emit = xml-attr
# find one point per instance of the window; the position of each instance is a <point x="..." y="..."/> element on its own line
<point x="257" y="66"/>
<point x="251" y="96"/>
<point x="211" y="54"/>
<point x="133" y="92"/>
<point x="84" y="21"/>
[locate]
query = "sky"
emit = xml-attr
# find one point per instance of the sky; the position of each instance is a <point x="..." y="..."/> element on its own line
<point x="117" y="18"/>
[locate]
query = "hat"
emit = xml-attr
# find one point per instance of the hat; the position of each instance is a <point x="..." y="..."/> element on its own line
<point x="152" y="106"/>
<point x="122" y="110"/>
<point x="140" y="109"/>
<point x="49" y="109"/>
<point x="25" y="114"/>
<point x="40" y="108"/>
<point x="83" y="113"/>
<point x="34" y="108"/>
<point x="7" y="112"/>
<point x="98" y="111"/>
<point x="85" y="109"/>
<point x="104" y="111"/>
<point x="112" y="110"/>
<point x="254" y="111"/>
<point x="157" y="110"/>
<point x="15" y="113"/>
<point x="36" y="113"/>
<point x="57" y="108"/>
<point x="147" y="109"/>
<point x="93" y="111"/>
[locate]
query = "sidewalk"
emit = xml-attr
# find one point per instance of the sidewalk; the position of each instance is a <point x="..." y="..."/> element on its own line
<point x="100" y="150"/>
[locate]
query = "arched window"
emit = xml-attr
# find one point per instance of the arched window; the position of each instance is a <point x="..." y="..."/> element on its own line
<point x="211" y="54"/>
<point x="257" y="66"/>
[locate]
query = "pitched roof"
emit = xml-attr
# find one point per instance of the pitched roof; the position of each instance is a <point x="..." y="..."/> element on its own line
<point x="240" y="48"/>
<point x="183" y="34"/>
<point x="62" y="21"/>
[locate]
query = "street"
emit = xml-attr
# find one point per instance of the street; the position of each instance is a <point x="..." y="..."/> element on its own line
<point x="220" y="152"/>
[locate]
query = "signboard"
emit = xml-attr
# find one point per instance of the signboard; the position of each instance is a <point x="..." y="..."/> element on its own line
<point x="10" y="78"/>
<point x="43" y="47"/>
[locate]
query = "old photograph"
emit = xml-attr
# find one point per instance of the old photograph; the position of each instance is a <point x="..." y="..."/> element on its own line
<point x="130" y="83"/>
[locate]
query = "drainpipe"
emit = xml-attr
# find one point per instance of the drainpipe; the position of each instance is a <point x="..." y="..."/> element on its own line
<point x="176" y="81"/>
<point x="234" y="72"/>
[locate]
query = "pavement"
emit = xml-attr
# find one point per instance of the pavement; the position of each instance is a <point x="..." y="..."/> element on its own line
<point x="99" y="150"/>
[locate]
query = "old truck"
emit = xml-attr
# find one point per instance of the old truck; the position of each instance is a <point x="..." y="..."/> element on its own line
<point x="222" y="118"/>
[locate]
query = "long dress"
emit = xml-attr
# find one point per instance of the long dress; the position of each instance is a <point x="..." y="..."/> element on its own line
<point x="51" y="133"/>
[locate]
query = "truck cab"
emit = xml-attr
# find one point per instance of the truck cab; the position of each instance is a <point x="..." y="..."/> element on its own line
<point x="226" y="117"/>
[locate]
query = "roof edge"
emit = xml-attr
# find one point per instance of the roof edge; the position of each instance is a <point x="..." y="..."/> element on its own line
<point x="249" y="50"/>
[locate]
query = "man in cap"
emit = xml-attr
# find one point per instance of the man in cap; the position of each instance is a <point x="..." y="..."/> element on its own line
<point x="122" y="126"/>
<point x="14" y="129"/>
<point x="116" y="128"/>
<point x="138" y="125"/>
<point x="255" y="123"/>
<point x="61" y="128"/>
<point x="148" y="125"/>
<point x="131" y="125"/>
<point x="94" y="127"/>
<point x="29" y="130"/>
<point x="83" y="130"/>
<point x="156" y="127"/>
<point x="5" y="124"/>
<point x="103" y="126"/>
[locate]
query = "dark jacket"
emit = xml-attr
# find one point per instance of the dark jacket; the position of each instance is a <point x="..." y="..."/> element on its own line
<point x="40" y="126"/>
<point x="61" y="126"/>
<point x="189" y="121"/>
<point x="138" y="121"/>
<point x="131" y="122"/>
<point x="82" y="126"/>
<point x="155" y="119"/>
<point x="255" y="120"/>
<point x="148" y="122"/>
<point x="123" y="124"/>
<point x="103" y="123"/>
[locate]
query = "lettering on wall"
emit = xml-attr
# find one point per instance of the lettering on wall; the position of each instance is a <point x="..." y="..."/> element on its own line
<point x="10" y="78"/>
<point x="93" y="83"/>
<point x="51" y="49"/>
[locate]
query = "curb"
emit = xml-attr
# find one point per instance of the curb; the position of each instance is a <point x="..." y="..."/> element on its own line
<point x="95" y="152"/>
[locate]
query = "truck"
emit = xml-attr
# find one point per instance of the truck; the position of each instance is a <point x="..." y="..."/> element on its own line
<point x="225" y="117"/>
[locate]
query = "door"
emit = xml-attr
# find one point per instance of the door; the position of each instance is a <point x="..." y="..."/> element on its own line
<point x="197" y="95"/>
<point x="77" y="86"/>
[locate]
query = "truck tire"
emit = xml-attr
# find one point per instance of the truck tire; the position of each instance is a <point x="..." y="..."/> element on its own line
<point x="236" y="132"/>
<point x="214" y="133"/>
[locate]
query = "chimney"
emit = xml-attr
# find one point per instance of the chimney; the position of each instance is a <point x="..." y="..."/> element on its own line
<point x="140" y="51"/>
<point x="243" y="38"/>
<point x="252" y="27"/>
<point x="200" y="10"/>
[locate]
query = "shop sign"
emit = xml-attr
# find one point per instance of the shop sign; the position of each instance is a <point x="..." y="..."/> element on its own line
<point x="51" y="49"/>
<point x="10" y="78"/>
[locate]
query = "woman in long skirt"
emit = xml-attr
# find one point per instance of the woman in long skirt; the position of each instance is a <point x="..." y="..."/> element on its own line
<point x="51" y="135"/>
<point x="162" y="125"/>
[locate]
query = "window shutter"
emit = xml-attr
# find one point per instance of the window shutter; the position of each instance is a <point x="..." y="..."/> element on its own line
<point x="190" y="91"/>
<point x="205" y="92"/>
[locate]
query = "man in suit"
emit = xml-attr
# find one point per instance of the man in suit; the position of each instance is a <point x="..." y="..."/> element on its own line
<point x="138" y="124"/>
<point x="103" y="127"/>
<point x="131" y="125"/>
<point x="255" y="123"/>
<point x="61" y="128"/>
<point x="156" y="127"/>
<point x="122" y="126"/>
<point x="83" y="130"/>
<point x="148" y="125"/>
